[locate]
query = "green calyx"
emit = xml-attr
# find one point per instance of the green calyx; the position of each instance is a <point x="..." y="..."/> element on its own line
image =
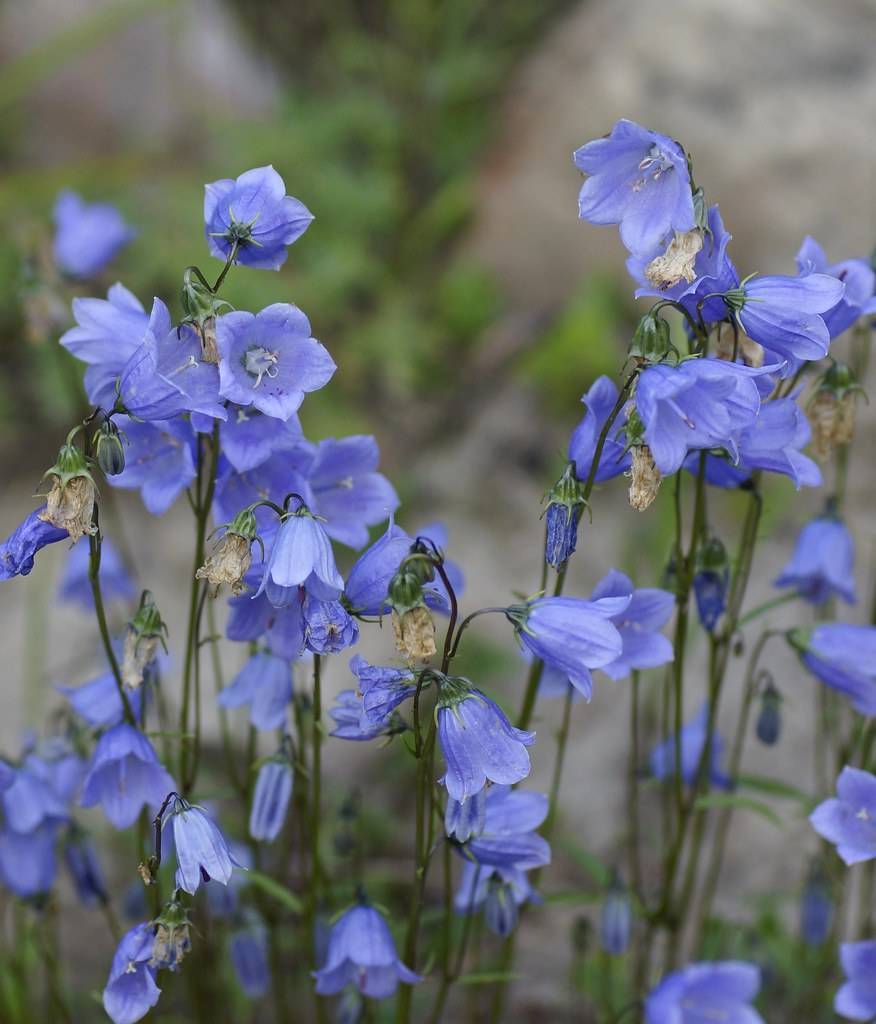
<point x="147" y="620"/>
<point x="244" y="524"/>
<point x="568" y="490"/>
<point x="713" y="556"/>
<point x="71" y="462"/>
<point x="799" y="638"/>
<point x="453" y="690"/>
<point x="651" y="340"/>
<point x="839" y="380"/>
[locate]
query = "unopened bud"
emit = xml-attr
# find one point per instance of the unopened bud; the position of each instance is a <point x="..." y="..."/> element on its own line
<point x="677" y="263"/>
<point x="500" y="908"/>
<point x="616" y="920"/>
<point x="110" y="450"/>
<point x="645" y="478"/>
<point x="414" y="632"/>
<point x="651" y="340"/>
<point x="769" y="720"/>
<point x="710" y="582"/>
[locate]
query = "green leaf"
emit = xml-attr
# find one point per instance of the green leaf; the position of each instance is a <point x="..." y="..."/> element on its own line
<point x="594" y="867"/>
<point x="775" y="787"/>
<point x="488" y="977"/>
<point x="573" y="897"/>
<point x="275" y="890"/>
<point x="733" y="801"/>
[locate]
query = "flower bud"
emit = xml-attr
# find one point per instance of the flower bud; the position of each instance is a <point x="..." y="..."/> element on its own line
<point x="500" y="908"/>
<point x="769" y="720"/>
<point x="677" y="263"/>
<point x="414" y="632"/>
<point x="616" y="919"/>
<point x="651" y="341"/>
<point x="645" y="478"/>
<point x="816" y="907"/>
<point x="565" y="502"/>
<point x="710" y="582"/>
<point x="109" y="449"/>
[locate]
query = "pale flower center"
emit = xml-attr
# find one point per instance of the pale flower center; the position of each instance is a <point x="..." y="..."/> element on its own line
<point x="259" y="362"/>
<point x="863" y="814"/>
<point x="652" y="165"/>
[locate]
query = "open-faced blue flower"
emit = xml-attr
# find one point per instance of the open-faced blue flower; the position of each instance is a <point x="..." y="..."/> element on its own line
<point x="248" y="951"/>
<point x="84" y="868"/>
<point x="202" y="853"/>
<point x="638" y="624"/>
<point x="115" y="581"/>
<point x="570" y="634"/>
<point x="698" y="404"/>
<point x="383" y="688"/>
<point x="856" y="274"/>
<point x="347" y="490"/>
<point x="714" y="272"/>
<point x="784" y="313"/>
<point x="508" y="838"/>
<point x="265" y="683"/>
<point x="823" y="563"/>
<point x="478" y="742"/>
<point x="18" y="551"/>
<point x="638" y="179"/>
<point x="351" y="722"/>
<point x="98" y="701"/>
<point x="166" y="376"/>
<point x="328" y="627"/>
<point x="361" y="952"/>
<point x="87" y="235"/>
<point x="856" y="998"/>
<point x="722" y="990"/>
<point x="693" y="742"/>
<point x="124" y="775"/>
<point x="270" y="799"/>
<point x="843" y="657"/>
<point x="28" y="866"/>
<point x="849" y="820"/>
<point x="131" y="991"/>
<point x="301" y="556"/>
<point x="255" y="212"/>
<point x="599" y="402"/>
<point x="269" y="360"/>
<point x="248" y="437"/>
<point x="159" y="461"/>
<point x="107" y="333"/>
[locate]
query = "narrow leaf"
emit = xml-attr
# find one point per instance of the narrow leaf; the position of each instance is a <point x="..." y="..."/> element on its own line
<point x="275" y="890"/>
<point x="733" y="801"/>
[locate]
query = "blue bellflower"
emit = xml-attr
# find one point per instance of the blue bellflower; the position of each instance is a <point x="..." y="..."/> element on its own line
<point x="383" y="688"/>
<point x="361" y="952"/>
<point x="248" y="951"/>
<point x="265" y="683"/>
<point x="498" y="891"/>
<point x="255" y="211"/>
<point x="478" y="742"/>
<point x="301" y="556"/>
<point x="466" y="818"/>
<point x="849" y="820"/>
<point x="843" y="657"/>
<point x="639" y="624"/>
<point x="28" y="866"/>
<point x="722" y="990"/>
<point x="616" y="919"/>
<point x="858" y="277"/>
<point x="131" y="991"/>
<point x="115" y="581"/>
<point x="571" y="635"/>
<point x="270" y="799"/>
<point x="98" y="701"/>
<point x="124" y="775"/>
<point x="269" y="359"/>
<point x="351" y="721"/>
<point x="249" y="437"/>
<point x="254" y="618"/>
<point x="856" y="998"/>
<point x="816" y="909"/>
<point x="328" y="627"/>
<point x="202" y="853"/>
<point x="87" y="235"/>
<point x="599" y="402"/>
<point x="693" y="742"/>
<point x="823" y="563"/>
<point x="638" y="179"/>
<point x="507" y="838"/>
<point x="85" y="871"/>
<point x="18" y="551"/>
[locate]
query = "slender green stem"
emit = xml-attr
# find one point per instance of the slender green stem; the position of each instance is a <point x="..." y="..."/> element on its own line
<point x="634" y="861"/>
<point x="768" y="606"/>
<point x="316" y="816"/>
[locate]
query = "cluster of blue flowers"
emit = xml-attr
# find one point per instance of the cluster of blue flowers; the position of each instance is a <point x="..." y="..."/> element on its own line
<point x="208" y="406"/>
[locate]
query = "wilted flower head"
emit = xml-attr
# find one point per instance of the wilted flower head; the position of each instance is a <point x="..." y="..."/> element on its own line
<point x="171" y="942"/>
<point x="87" y="235"/>
<point x="823" y="562"/>
<point x="640" y="180"/>
<point x="130" y="991"/>
<point x="361" y="952"/>
<point x="254" y="213"/>
<point x="856" y="998"/>
<point x="722" y="990"/>
<point x="849" y="820"/>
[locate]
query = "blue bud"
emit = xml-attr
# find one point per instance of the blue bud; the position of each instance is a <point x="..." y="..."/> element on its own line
<point x="500" y="908"/>
<point x="816" y="908"/>
<point x="617" y="917"/>
<point x="710" y="583"/>
<point x="769" y="720"/>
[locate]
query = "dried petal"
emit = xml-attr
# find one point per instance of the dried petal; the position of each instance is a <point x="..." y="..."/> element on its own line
<point x="645" y="478"/>
<point x="70" y="506"/>
<point x="414" y="632"/>
<point x="677" y="263"/>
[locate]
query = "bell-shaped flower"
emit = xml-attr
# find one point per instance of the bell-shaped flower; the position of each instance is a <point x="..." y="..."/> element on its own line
<point x="498" y="891"/>
<point x="352" y="723"/>
<point x="124" y="775"/>
<point x="328" y="627"/>
<point x="614" y="460"/>
<point x="478" y="742"/>
<point x="202" y="853"/>
<point x="722" y="990"/>
<point x="465" y="818"/>
<point x="166" y="375"/>
<point x="383" y="688"/>
<point x="571" y="635"/>
<point x="107" y="333"/>
<point x="823" y="563"/>
<point x="849" y="820"/>
<point x="301" y="556"/>
<point x="367" y="588"/>
<point x="18" y="551"/>
<point x="616" y="919"/>
<point x="159" y="461"/>
<point x="508" y="838"/>
<point x="269" y="359"/>
<point x="98" y="701"/>
<point x="32" y="800"/>
<point x="361" y="952"/>
<point x="283" y="473"/>
<point x="693" y="743"/>
<point x="639" y="624"/>
<point x="248" y="952"/>
<point x="87" y="235"/>
<point x="270" y="799"/>
<point x="638" y="179"/>
<point x="265" y="683"/>
<point x="856" y="998"/>
<point x="28" y="866"/>
<point x="254" y="213"/>
<point x="843" y="657"/>
<point x="858" y="277"/>
<point x="254" y="618"/>
<point x="131" y="991"/>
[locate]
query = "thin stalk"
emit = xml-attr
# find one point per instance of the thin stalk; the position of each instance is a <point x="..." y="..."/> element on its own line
<point x="315" y="816"/>
<point x="634" y="861"/>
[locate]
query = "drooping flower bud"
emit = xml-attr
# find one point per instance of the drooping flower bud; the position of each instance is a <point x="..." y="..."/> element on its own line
<point x="677" y="262"/>
<point x="232" y="557"/>
<point x="70" y="502"/>
<point x="500" y="908"/>
<point x="645" y="478"/>
<point x="142" y="637"/>
<point x="616" y="920"/>
<point x="109" y="449"/>
<point x="651" y="341"/>
<point x="769" y="720"/>
<point x="710" y="582"/>
<point x="565" y="503"/>
<point x="171" y="942"/>
<point x="832" y="411"/>
<point x="816" y="907"/>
